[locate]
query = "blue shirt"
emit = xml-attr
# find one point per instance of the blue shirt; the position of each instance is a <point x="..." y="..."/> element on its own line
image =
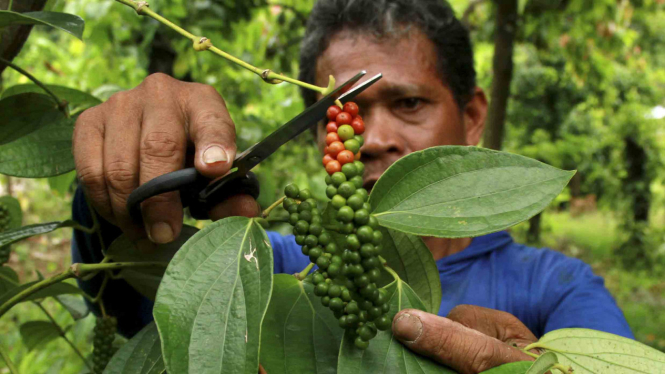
<point x="544" y="289"/>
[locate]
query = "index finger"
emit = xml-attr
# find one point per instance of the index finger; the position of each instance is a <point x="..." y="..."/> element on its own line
<point x="452" y="344"/>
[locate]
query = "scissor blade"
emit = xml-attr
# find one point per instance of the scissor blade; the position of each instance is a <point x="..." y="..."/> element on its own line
<point x="312" y="115"/>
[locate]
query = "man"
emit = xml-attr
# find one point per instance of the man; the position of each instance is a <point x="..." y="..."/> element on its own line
<point x="427" y="97"/>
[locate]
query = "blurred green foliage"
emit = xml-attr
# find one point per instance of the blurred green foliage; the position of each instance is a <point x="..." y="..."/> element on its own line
<point x="587" y="78"/>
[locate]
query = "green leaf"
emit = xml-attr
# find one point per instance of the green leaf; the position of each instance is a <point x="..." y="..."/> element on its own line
<point x="12" y="236"/>
<point x="8" y="279"/>
<point x="61" y="183"/>
<point x="35" y="333"/>
<point x="591" y="351"/>
<point x="385" y="353"/>
<point x="78" y="100"/>
<point x="147" y="280"/>
<point x="15" y="212"/>
<point x="413" y="262"/>
<point x="543" y="363"/>
<point x="25" y="113"/>
<point x="46" y="152"/>
<point x="455" y="191"/>
<point x="56" y="289"/>
<point x="141" y="354"/>
<point x="213" y="298"/>
<point x="299" y="335"/>
<point x="512" y="368"/>
<point x="66" y="22"/>
<point x="75" y="305"/>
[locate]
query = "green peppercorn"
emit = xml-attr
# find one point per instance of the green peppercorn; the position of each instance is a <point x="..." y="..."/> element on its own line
<point x="291" y="191"/>
<point x="336" y="304"/>
<point x="361" y="217"/>
<point x="311" y="240"/>
<point x="338" y="201"/>
<point x="331" y="191"/>
<point x="300" y="239"/>
<point x="305" y="215"/>
<point x="331" y="247"/>
<point x="357" y="181"/>
<point x="334" y="270"/>
<point x="304" y="206"/>
<point x="321" y="289"/>
<point x="367" y="250"/>
<point x="355" y="201"/>
<point x="347" y="228"/>
<point x="301" y="228"/>
<point x="361" y="281"/>
<point x="345" y="214"/>
<point x="304" y="195"/>
<point x="365" y="234"/>
<point x="324" y="237"/>
<point x="352" y="242"/>
<point x="334" y="290"/>
<point x="322" y="262"/>
<point x="315" y="229"/>
<point x="346" y="189"/>
<point x="338" y="178"/>
<point x="325" y="301"/>
<point x="353" y="146"/>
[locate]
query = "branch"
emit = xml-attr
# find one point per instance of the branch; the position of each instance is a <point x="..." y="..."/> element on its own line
<point x="62" y="104"/>
<point x="8" y="361"/>
<point x="204" y="44"/>
<point x="62" y="335"/>
<point x="75" y="271"/>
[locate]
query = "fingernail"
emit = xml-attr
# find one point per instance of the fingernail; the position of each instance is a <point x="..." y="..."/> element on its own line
<point x="408" y="328"/>
<point x="161" y="233"/>
<point x="215" y="154"/>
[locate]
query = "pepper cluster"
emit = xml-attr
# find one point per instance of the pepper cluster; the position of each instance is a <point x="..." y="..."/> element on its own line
<point x="5" y="220"/>
<point x="347" y="269"/>
<point x="103" y="350"/>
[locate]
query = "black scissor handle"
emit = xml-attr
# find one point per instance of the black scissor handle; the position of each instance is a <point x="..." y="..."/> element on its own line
<point x="229" y="185"/>
<point x="192" y="185"/>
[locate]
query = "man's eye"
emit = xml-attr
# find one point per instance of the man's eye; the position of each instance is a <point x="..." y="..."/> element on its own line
<point x="411" y="103"/>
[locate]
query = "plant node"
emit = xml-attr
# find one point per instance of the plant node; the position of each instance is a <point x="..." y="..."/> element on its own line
<point x="140" y="5"/>
<point x="265" y="76"/>
<point x="203" y="44"/>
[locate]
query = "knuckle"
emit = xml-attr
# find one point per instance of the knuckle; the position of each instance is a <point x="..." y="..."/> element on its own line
<point x="160" y="145"/>
<point x="157" y="81"/>
<point x="121" y="178"/>
<point x="206" y="89"/>
<point x="92" y="178"/>
<point x="119" y="99"/>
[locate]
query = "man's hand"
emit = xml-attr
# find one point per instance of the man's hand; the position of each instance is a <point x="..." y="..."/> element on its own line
<point x="471" y="339"/>
<point x="145" y="132"/>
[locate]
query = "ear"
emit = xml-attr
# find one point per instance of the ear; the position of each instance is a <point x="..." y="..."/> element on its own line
<point x="474" y="115"/>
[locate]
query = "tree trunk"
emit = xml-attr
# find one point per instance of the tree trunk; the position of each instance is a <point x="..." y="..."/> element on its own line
<point x="533" y="235"/>
<point x="504" y="40"/>
<point x="13" y="37"/>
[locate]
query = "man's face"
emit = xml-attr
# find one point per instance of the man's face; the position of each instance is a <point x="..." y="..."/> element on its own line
<point x="409" y="109"/>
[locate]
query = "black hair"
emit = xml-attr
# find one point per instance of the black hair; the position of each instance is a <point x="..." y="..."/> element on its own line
<point x="388" y="19"/>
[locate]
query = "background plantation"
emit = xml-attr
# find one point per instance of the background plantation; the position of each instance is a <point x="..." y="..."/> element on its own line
<point x="587" y="78"/>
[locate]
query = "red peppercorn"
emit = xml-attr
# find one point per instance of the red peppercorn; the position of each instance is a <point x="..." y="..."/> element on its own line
<point x="333" y="167"/>
<point x="351" y="108"/>
<point x="334" y="148"/>
<point x="358" y="126"/>
<point x="345" y="156"/>
<point x="333" y="111"/>
<point x="331" y="127"/>
<point x="343" y="118"/>
<point x="326" y="159"/>
<point x="332" y="137"/>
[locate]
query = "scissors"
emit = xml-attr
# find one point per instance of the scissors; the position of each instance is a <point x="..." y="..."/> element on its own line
<point x="200" y="193"/>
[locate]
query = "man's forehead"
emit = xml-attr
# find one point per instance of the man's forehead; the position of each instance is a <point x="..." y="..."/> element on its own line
<point x="408" y="63"/>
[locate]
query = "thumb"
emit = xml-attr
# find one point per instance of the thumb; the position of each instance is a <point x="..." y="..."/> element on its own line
<point x="452" y="344"/>
<point x="210" y="127"/>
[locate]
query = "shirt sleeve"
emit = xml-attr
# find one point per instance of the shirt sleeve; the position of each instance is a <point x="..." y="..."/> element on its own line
<point x="287" y="254"/>
<point x="574" y="297"/>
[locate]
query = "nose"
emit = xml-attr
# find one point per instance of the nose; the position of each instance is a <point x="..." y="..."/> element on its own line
<point x="382" y="136"/>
